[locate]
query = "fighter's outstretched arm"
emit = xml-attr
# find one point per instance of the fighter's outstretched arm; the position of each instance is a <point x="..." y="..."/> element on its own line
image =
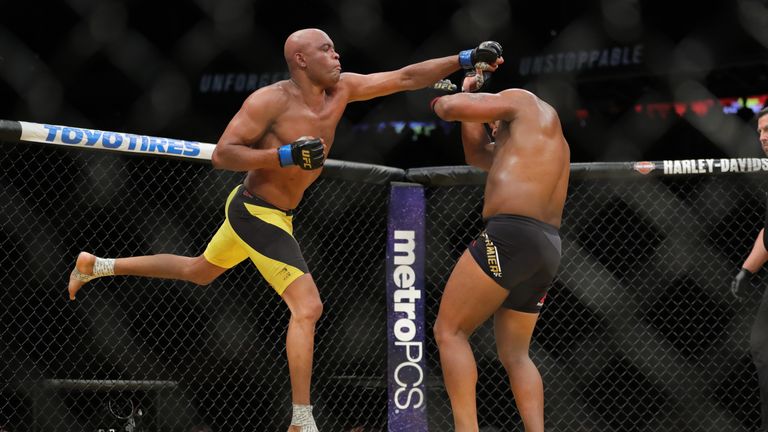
<point x="420" y="75"/>
<point x="411" y="77"/>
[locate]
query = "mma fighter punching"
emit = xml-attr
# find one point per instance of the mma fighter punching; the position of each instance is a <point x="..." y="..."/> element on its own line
<point x="281" y="136"/>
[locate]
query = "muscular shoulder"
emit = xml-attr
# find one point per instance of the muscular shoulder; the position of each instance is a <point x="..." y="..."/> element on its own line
<point x="347" y="81"/>
<point x="274" y="97"/>
<point x="528" y="101"/>
<point x="519" y="96"/>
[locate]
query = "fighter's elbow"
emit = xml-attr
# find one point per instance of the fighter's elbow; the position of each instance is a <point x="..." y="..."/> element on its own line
<point x="217" y="159"/>
<point x="444" y="109"/>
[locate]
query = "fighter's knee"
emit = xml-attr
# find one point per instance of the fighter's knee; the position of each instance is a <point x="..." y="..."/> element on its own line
<point x="202" y="280"/>
<point x="310" y="310"/>
<point x="199" y="272"/>
<point x="513" y="360"/>
<point x="445" y="331"/>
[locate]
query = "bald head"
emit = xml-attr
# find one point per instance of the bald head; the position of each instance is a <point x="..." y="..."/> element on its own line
<point x="300" y="41"/>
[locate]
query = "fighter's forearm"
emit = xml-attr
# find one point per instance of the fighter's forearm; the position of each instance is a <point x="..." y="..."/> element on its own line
<point x="474" y="136"/>
<point x="758" y="256"/>
<point x="426" y="73"/>
<point x="232" y="157"/>
<point x="477" y="145"/>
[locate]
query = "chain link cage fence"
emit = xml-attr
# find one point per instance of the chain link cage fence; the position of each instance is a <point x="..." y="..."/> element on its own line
<point x="639" y="331"/>
<point x="638" y="334"/>
<point x="190" y="356"/>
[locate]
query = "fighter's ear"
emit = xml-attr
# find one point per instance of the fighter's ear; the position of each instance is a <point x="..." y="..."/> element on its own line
<point x="488" y="129"/>
<point x="300" y="60"/>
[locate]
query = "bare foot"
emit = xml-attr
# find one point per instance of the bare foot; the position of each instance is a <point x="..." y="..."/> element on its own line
<point x="84" y="265"/>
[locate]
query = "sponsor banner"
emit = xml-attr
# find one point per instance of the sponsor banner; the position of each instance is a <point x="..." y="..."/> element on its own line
<point x="115" y="141"/>
<point x="576" y="61"/>
<point x="407" y="403"/>
<point x="644" y="167"/>
<point x="708" y="166"/>
<point x="238" y="82"/>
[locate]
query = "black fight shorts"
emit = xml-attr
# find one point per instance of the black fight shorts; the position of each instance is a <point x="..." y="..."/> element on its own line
<point x="522" y="255"/>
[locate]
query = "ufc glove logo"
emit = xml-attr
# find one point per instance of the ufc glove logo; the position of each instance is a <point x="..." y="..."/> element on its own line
<point x="307" y="158"/>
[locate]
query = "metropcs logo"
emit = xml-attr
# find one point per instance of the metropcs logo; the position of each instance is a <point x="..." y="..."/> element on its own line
<point x="120" y="141"/>
<point x="408" y="374"/>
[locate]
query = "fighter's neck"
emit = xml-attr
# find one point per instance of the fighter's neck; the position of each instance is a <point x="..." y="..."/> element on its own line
<point x="305" y="85"/>
<point x="311" y="93"/>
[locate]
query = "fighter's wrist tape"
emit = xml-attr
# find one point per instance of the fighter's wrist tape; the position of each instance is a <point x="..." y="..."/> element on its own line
<point x="465" y="59"/>
<point x="284" y="155"/>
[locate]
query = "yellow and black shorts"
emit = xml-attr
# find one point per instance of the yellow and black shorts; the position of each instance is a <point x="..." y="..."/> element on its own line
<point x="255" y="229"/>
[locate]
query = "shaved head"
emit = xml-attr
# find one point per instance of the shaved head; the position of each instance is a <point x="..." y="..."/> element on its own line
<point x="299" y="41"/>
<point x="312" y="59"/>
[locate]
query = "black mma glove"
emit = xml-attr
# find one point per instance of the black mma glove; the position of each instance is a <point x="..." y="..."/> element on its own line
<point x="739" y="281"/>
<point x="487" y="52"/>
<point x="306" y="152"/>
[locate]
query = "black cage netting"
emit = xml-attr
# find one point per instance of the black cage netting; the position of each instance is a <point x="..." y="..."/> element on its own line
<point x="638" y="333"/>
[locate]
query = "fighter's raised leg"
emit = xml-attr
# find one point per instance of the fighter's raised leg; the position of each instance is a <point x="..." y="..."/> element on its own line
<point x="166" y="266"/>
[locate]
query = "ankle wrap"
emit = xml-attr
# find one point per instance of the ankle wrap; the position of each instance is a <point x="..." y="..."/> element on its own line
<point x="302" y="417"/>
<point x="102" y="267"/>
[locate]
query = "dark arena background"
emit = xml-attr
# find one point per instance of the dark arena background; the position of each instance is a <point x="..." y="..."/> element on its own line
<point x="639" y="333"/>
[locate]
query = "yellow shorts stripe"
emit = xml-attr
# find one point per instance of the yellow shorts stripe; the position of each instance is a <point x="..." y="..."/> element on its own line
<point x="269" y="216"/>
<point x="254" y="230"/>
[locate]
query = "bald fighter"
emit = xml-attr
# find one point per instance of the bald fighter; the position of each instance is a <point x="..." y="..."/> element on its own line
<point x="507" y="269"/>
<point x="281" y="136"/>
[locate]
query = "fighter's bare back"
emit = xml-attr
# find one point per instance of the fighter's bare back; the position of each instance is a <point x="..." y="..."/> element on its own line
<point x="530" y="170"/>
